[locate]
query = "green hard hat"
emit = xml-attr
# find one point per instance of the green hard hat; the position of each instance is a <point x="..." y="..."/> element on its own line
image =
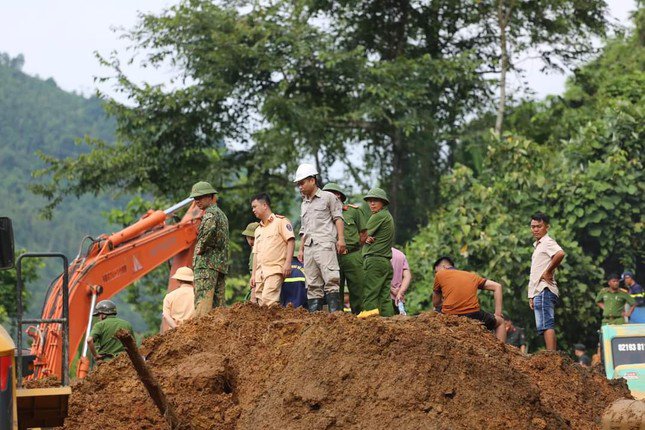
<point x="332" y="186"/>
<point x="105" y="307"/>
<point x="250" y="229"/>
<point x="377" y="193"/>
<point x="202" y="189"/>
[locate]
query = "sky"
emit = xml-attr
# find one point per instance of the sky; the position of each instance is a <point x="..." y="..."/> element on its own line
<point x="59" y="38"/>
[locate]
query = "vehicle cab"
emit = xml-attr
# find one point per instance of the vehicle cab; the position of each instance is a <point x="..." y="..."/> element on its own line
<point x="623" y="349"/>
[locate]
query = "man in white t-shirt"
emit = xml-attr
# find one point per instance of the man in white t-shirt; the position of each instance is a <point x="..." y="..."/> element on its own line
<point x="543" y="289"/>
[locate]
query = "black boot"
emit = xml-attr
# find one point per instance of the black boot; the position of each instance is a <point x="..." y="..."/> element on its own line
<point x="314" y="305"/>
<point x="333" y="302"/>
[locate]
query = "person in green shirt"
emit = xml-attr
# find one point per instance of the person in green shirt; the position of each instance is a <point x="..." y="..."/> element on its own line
<point x="249" y="234"/>
<point x="101" y="342"/>
<point x="351" y="262"/>
<point x="612" y="301"/>
<point x="377" y="253"/>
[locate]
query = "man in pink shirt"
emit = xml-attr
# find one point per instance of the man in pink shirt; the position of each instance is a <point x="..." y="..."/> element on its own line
<point x="401" y="278"/>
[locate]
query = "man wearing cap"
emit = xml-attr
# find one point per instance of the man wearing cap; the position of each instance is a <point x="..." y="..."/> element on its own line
<point x="579" y="350"/>
<point x="377" y="253"/>
<point x="612" y="302"/>
<point x="322" y="231"/>
<point x="273" y="250"/>
<point x="179" y="304"/>
<point x="351" y="262"/>
<point x="634" y="288"/>
<point x="210" y="261"/>
<point x="102" y="344"/>
<point x="249" y="234"/>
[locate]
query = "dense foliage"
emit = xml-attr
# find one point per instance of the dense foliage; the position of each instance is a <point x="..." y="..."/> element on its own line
<point x="578" y="158"/>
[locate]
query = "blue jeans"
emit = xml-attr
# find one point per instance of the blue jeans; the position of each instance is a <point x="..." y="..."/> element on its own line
<point x="544" y="308"/>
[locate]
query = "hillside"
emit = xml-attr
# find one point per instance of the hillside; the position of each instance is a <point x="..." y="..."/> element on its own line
<point x="36" y="115"/>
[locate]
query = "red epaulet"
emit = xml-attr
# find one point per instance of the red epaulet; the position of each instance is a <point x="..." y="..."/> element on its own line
<point x="279" y="216"/>
<point x="349" y="205"/>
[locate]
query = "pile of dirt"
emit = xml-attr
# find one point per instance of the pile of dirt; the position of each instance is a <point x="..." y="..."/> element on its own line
<point x="248" y="368"/>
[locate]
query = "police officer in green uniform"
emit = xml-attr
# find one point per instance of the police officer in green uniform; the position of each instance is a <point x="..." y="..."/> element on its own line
<point x="351" y="262"/>
<point x="377" y="253"/>
<point x="612" y="301"/>
<point x="101" y="342"/>
<point x="210" y="261"/>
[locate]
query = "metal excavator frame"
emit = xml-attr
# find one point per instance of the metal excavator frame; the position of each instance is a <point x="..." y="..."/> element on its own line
<point x="107" y="266"/>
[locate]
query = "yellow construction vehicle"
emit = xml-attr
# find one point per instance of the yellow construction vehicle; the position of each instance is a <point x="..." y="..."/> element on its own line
<point x="24" y="408"/>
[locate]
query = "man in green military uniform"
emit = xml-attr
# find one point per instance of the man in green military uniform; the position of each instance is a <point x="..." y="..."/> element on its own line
<point x="377" y="253"/>
<point x="249" y="234"/>
<point x="351" y="262"/>
<point x="210" y="262"/>
<point x="612" y="301"/>
<point x="102" y="344"/>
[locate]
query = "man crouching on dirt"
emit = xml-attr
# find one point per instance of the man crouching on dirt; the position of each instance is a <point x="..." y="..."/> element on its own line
<point x="456" y="292"/>
<point x="102" y="334"/>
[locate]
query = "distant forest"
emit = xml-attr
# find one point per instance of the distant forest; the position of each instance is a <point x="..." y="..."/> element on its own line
<point x="36" y="115"/>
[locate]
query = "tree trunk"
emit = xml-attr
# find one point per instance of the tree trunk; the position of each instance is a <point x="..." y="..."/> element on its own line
<point x="150" y="382"/>
<point x="502" y="20"/>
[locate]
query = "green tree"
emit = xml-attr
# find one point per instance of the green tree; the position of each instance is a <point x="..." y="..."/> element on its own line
<point x="8" y="282"/>
<point x="585" y="171"/>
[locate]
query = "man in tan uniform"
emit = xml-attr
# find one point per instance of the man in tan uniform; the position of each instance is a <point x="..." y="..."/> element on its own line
<point x="323" y="237"/>
<point x="272" y="251"/>
<point x="179" y="304"/>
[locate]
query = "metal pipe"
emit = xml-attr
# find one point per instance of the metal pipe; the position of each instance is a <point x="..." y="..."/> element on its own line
<point x="89" y="322"/>
<point x="179" y="205"/>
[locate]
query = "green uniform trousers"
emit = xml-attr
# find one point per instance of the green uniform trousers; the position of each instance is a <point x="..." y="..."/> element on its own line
<point x="210" y="287"/>
<point x="351" y="273"/>
<point x="376" y="287"/>
<point x="613" y="320"/>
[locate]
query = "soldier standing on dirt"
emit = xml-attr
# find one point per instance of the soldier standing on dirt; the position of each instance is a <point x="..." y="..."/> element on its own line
<point x="273" y="251"/>
<point x="323" y="237"/>
<point x="102" y="344"/>
<point x="351" y="262"/>
<point x="543" y="290"/>
<point x="210" y="261"/>
<point x="377" y="253"/>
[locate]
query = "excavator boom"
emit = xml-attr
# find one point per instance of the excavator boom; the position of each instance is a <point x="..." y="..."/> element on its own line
<point x="110" y="264"/>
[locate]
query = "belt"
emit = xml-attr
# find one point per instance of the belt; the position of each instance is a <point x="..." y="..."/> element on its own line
<point x="349" y="251"/>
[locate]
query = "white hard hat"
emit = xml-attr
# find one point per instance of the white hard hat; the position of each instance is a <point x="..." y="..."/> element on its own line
<point x="305" y="170"/>
<point x="184" y="274"/>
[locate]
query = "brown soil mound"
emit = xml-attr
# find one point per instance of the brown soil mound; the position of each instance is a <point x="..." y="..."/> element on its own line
<point x="249" y="368"/>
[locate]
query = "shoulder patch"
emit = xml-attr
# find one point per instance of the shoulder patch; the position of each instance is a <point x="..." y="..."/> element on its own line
<point x="289" y="226"/>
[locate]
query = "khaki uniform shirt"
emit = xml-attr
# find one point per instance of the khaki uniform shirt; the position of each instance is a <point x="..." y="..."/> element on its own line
<point x="545" y="249"/>
<point x="180" y="303"/>
<point x="270" y="247"/>
<point x="317" y="216"/>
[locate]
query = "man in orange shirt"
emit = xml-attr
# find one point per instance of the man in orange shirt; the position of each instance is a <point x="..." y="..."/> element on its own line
<point x="272" y="252"/>
<point x="456" y="292"/>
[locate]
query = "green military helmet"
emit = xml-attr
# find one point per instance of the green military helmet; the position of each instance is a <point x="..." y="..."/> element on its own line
<point x="105" y="307"/>
<point x="332" y="186"/>
<point x="250" y="229"/>
<point x="377" y="193"/>
<point x="202" y="189"/>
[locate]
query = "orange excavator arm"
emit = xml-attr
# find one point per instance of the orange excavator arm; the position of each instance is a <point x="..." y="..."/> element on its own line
<point x="110" y="264"/>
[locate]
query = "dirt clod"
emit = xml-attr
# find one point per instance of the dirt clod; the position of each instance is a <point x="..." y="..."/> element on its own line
<point x="247" y="368"/>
